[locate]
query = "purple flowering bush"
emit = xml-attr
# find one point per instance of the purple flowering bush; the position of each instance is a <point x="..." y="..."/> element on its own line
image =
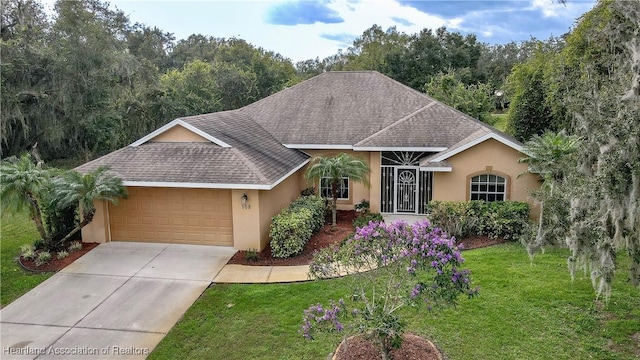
<point x="391" y="266"/>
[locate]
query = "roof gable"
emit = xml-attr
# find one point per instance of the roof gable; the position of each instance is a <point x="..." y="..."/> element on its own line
<point x="163" y="132"/>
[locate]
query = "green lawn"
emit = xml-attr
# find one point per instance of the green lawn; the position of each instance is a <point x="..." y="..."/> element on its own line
<point x="526" y="310"/>
<point x="499" y="121"/>
<point x="16" y="230"/>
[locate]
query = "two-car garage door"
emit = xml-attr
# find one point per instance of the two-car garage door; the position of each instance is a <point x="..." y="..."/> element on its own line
<point x="173" y="215"/>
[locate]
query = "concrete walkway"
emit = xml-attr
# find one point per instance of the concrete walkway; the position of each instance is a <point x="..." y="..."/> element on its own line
<point x="115" y="302"/>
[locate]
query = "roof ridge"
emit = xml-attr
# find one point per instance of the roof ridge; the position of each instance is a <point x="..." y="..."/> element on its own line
<point x="249" y="164"/>
<point x="396" y="123"/>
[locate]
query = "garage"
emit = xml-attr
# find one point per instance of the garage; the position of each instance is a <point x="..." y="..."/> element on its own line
<point x="173" y="215"/>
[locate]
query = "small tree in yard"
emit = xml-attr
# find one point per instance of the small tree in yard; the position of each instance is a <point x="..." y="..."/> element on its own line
<point x="74" y="187"/>
<point x="391" y="266"/>
<point x="23" y="184"/>
<point x="336" y="168"/>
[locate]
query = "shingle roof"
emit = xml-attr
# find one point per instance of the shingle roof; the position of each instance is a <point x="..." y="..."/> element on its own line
<point x="255" y="157"/>
<point x="362" y="110"/>
<point x="339" y="108"/>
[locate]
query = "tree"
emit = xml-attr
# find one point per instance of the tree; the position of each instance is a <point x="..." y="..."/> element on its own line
<point x="529" y="112"/>
<point x="550" y="156"/>
<point x="98" y="185"/>
<point x="23" y="185"/>
<point x="336" y="168"/>
<point x="390" y="266"/>
<point x="473" y="100"/>
<point x="599" y="71"/>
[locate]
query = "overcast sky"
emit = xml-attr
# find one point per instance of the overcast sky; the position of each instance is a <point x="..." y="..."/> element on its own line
<point x="302" y="30"/>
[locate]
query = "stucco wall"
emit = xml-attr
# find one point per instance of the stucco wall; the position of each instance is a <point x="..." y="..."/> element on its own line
<point x="357" y="191"/>
<point x="246" y="220"/>
<point x="488" y="157"/>
<point x="98" y="229"/>
<point x="273" y="201"/>
<point x="178" y="134"/>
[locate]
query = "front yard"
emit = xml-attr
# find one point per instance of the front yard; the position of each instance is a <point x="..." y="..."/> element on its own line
<point x="15" y="231"/>
<point x="525" y="311"/>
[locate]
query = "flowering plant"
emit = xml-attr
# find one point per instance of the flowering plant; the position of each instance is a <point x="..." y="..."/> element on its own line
<point x="392" y="266"/>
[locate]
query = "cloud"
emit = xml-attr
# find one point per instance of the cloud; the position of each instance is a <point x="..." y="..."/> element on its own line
<point x="502" y="21"/>
<point x="402" y="21"/>
<point x="454" y="8"/>
<point x="343" y="39"/>
<point x="302" y="13"/>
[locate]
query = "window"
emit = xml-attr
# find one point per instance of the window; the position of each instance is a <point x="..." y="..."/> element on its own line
<point x="325" y="188"/>
<point x="488" y="188"/>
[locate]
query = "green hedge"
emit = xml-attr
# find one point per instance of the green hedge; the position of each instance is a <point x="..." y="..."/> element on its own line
<point x="364" y="219"/>
<point x="292" y="228"/>
<point x="499" y="219"/>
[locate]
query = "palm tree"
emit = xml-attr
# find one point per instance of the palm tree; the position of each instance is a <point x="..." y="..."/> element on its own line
<point x="73" y="188"/>
<point x="549" y="156"/>
<point x="336" y="168"/>
<point x="23" y="183"/>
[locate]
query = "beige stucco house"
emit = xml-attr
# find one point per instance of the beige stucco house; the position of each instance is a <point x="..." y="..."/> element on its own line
<point x="219" y="178"/>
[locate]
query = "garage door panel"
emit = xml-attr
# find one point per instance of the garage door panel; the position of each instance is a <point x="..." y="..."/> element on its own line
<point x="189" y="216"/>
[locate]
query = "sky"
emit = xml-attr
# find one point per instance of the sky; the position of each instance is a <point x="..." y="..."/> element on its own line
<point x="307" y="29"/>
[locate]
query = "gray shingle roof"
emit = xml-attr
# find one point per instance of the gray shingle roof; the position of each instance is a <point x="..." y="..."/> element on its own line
<point x="254" y="158"/>
<point x="338" y="108"/>
<point x="361" y="109"/>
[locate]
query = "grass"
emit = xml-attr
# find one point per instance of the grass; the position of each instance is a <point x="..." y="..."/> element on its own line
<point x="15" y="231"/>
<point x="526" y="310"/>
<point x="499" y="121"/>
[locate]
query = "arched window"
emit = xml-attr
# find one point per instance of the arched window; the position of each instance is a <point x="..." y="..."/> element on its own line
<point x="488" y="188"/>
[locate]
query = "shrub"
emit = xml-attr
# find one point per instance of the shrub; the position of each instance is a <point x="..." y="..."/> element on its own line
<point x="393" y="266"/>
<point x="363" y="207"/>
<point x="252" y="254"/>
<point x="75" y="246"/>
<point x="364" y="219"/>
<point x="292" y="228"/>
<point x="498" y="219"/>
<point x="310" y="191"/>
<point x="43" y="258"/>
<point x="28" y="251"/>
<point x="318" y="208"/>
<point x="62" y="254"/>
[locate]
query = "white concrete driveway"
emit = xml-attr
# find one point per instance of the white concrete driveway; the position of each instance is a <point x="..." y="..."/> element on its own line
<point x="116" y="302"/>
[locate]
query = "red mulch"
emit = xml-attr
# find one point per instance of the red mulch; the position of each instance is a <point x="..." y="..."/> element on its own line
<point x="413" y="348"/>
<point x="327" y="237"/>
<point x="323" y="238"/>
<point x="54" y="264"/>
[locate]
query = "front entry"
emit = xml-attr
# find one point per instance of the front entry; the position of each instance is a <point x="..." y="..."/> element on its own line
<point x="406" y="194"/>
<point x="404" y="189"/>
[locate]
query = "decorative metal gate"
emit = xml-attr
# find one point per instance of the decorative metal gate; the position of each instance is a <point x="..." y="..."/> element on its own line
<point x="406" y="191"/>
<point x="403" y="187"/>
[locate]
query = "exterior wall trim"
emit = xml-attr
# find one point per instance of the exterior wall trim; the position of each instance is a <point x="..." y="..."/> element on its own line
<point x="179" y="122"/>
<point x="397" y="148"/>
<point x="436" y="169"/>
<point x="319" y="146"/>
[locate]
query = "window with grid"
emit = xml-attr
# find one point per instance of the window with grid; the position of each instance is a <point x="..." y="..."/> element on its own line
<point x="325" y="188"/>
<point x="488" y="188"/>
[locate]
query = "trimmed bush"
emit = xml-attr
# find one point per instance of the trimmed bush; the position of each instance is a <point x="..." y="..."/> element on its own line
<point x="499" y="219"/>
<point x="292" y="228"/>
<point x="363" y="219"/>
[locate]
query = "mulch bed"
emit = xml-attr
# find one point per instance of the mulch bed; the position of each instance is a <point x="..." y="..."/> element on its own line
<point x="54" y="264"/>
<point x="413" y="348"/>
<point x="323" y="238"/>
<point x="327" y="237"/>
